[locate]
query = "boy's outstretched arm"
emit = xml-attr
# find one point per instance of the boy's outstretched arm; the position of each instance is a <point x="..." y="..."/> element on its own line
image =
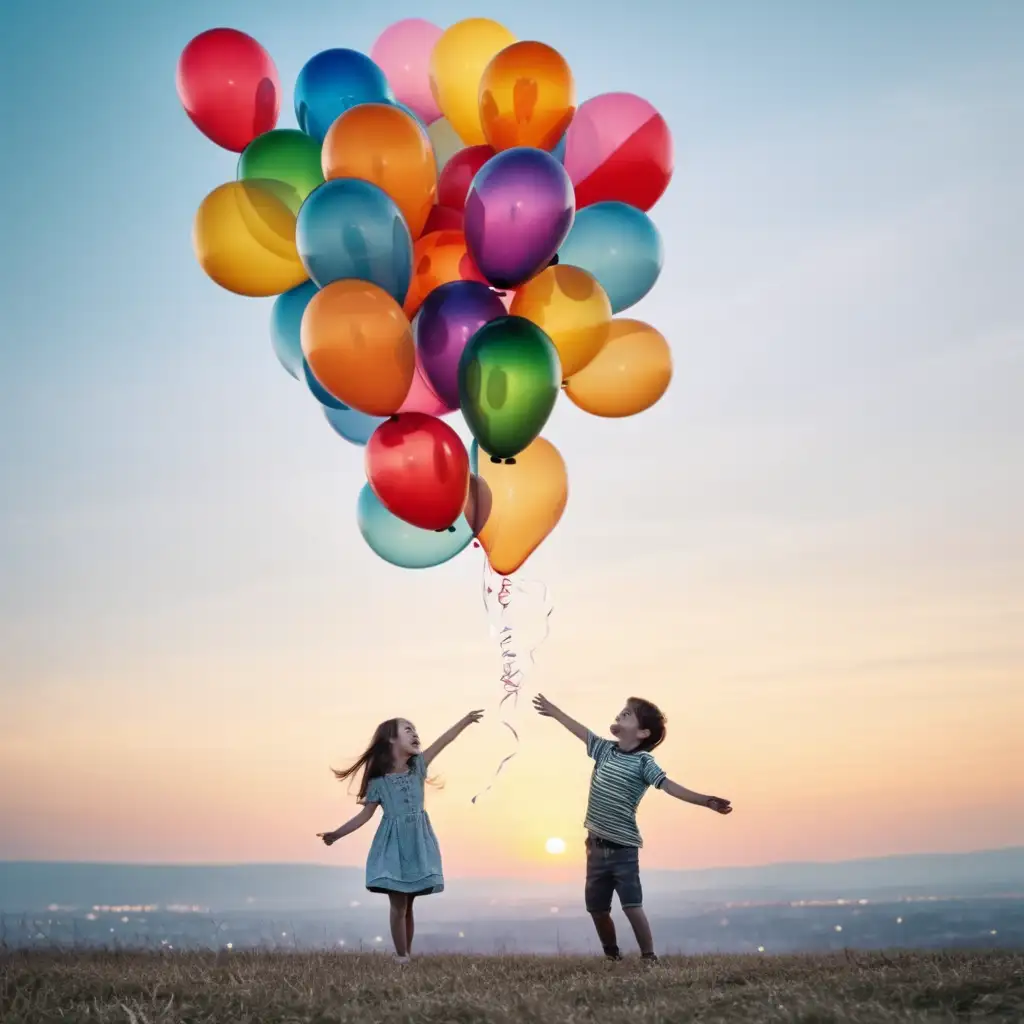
<point x="715" y="803"/>
<point x="445" y="738"/>
<point x="544" y="707"/>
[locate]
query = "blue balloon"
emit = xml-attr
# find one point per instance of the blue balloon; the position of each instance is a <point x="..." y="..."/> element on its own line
<point x="332" y="82"/>
<point x="402" y="544"/>
<point x="619" y="246"/>
<point x="351" y="424"/>
<point x="285" y="324"/>
<point x="320" y="393"/>
<point x="348" y="228"/>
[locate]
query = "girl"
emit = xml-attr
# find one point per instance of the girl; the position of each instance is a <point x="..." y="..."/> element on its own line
<point x="404" y="859"/>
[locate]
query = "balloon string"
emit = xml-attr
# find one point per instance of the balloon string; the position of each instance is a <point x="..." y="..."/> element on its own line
<point x="512" y="677"/>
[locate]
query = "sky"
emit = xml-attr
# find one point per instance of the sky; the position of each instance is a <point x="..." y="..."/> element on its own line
<point x="809" y="553"/>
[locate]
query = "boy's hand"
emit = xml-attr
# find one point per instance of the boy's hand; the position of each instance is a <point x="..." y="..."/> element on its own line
<point x="543" y="706"/>
<point x="719" y="804"/>
<point x="472" y="717"/>
<point x="328" y="837"/>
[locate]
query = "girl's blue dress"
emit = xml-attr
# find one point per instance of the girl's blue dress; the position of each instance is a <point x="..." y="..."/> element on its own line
<point x="404" y="855"/>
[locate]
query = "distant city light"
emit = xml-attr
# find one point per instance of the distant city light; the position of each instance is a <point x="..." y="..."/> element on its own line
<point x="231" y="945"/>
<point x="839" y="927"/>
<point x="899" y="920"/>
<point x="760" y="949"/>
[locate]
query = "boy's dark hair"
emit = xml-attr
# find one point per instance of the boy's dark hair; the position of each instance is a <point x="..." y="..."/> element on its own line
<point x="650" y="717"/>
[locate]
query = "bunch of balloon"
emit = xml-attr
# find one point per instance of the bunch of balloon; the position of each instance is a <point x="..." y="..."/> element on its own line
<point x="444" y="231"/>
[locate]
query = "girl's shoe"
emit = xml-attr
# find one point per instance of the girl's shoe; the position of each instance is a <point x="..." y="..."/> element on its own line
<point x="401" y="959"/>
<point x="649" y="958"/>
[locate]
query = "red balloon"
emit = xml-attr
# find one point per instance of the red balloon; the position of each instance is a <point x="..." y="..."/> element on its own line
<point x="229" y="87"/>
<point x="441" y="218"/>
<point x="637" y="173"/>
<point x="419" y="469"/>
<point x="457" y="176"/>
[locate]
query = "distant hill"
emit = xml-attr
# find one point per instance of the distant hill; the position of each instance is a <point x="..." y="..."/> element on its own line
<point x="35" y="885"/>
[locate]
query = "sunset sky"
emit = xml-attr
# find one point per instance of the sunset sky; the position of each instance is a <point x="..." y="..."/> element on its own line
<point x="810" y="553"/>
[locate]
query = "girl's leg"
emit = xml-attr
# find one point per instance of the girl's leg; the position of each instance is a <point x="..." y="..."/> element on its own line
<point x="641" y="929"/>
<point x="399" y="902"/>
<point x="409" y="925"/>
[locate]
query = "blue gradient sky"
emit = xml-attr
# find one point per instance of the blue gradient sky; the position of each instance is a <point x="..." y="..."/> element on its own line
<point x="809" y="553"/>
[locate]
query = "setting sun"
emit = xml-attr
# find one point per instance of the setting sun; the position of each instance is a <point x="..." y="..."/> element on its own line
<point x="555" y="845"/>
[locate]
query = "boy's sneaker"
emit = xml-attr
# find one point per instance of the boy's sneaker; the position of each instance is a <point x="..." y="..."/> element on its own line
<point x="649" y="958"/>
<point x="612" y="953"/>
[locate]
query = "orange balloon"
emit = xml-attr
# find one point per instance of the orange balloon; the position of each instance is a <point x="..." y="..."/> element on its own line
<point x="513" y="506"/>
<point x="438" y="258"/>
<point x="630" y="373"/>
<point x="244" y="238"/>
<point x="527" y="97"/>
<point x="571" y="308"/>
<point x="358" y="344"/>
<point x="385" y="146"/>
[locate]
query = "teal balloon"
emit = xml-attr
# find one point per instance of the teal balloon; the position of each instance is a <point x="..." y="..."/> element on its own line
<point x="509" y="379"/>
<point x="619" y="246"/>
<point x="351" y="424"/>
<point x="349" y="228"/>
<point x="285" y="324"/>
<point x="403" y="544"/>
<point x="320" y="393"/>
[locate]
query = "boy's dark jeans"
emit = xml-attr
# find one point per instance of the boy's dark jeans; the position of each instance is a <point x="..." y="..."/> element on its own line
<point x="612" y="868"/>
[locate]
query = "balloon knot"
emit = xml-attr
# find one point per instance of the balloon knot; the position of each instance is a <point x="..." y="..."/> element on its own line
<point x="494" y="458"/>
<point x="554" y="261"/>
<point x="393" y="418"/>
<point x="510" y="462"/>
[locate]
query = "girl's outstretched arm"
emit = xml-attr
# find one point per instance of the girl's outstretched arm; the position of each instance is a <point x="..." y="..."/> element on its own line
<point x="544" y="707"/>
<point x="350" y="826"/>
<point x="715" y="803"/>
<point x="445" y="738"/>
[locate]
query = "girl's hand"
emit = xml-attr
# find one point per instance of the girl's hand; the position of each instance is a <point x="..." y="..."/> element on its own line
<point x="719" y="804"/>
<point x="329" y="838"/>
<point x="472" y="718"/>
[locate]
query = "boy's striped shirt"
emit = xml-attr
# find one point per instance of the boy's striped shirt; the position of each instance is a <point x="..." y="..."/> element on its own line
<point x="617" y="785"/>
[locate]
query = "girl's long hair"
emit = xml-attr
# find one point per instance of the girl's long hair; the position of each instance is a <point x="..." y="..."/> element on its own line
<point x="375" y="760"/>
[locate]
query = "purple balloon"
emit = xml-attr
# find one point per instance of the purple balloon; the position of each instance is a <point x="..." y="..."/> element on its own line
<point x="520" y="207"/>
<point x="450" y="315"/>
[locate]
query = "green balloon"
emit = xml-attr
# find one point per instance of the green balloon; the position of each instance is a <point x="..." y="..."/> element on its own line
<point x="288" y="157"/>
<point x="509" y="379"/>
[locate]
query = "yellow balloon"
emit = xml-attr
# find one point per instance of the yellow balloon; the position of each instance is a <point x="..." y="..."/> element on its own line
<point x="456" y="66"/>
<point x="630" y="373"/>
<point x="444" y="140"/>
<point x="571" y="308"/>
<point x="244" y="238"/>
<point x="514" y="505"/>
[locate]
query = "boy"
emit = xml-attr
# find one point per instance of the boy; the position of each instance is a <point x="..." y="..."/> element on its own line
<point x="622" y="772"/>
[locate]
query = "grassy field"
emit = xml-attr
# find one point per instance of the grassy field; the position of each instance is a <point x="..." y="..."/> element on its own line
<point x="273" y="988"/>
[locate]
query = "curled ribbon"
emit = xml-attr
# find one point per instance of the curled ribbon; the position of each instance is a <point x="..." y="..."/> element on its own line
<point x="531" y="603"/>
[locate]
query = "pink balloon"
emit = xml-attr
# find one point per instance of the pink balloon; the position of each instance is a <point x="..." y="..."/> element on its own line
<point x="422" y="397"/>
<point x="599" y="127"/>
<point x="402" y="52"/>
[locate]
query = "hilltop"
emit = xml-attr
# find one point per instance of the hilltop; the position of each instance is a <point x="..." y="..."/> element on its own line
<point x="912" y="988"/>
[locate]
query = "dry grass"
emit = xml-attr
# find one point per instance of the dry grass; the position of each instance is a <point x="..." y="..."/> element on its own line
<point x="144" y="988"/>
